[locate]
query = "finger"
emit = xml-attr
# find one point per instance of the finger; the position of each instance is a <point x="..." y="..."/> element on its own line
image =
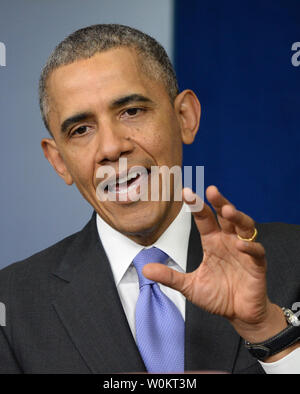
<point x="217" y="200"/>
<point x="165" y="275"/>
<point x="253" y="249"/>
<point x="244" y="224"/>
<point x="205" y="219"/>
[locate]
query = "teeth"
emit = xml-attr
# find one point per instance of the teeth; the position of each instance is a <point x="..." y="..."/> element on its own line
<point x="133" y="175"/>
<point x="126" y="178"/>
<point x="125" y="190"/>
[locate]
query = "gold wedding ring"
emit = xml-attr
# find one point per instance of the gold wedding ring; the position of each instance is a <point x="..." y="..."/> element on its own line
<point x="252" y="239"/>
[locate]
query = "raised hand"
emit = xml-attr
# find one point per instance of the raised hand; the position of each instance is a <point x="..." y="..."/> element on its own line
<point x="231" y="279"/>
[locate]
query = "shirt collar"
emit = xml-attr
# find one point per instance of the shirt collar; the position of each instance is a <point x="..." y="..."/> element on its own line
<point x="121" y="250"/>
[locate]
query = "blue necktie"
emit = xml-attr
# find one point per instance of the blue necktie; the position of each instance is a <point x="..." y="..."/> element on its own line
<point x="159" y="324"/>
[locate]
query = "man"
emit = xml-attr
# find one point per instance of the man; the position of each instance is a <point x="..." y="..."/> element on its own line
<point x="108" y="92"/>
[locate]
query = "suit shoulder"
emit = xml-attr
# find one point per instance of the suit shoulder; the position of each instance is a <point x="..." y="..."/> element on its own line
<point x="280" y="227"/>
<point x="42" y="261"/>
<point x="36" y="275"/>
<point x="282" y="244"/>
<point x="281" y="233"/>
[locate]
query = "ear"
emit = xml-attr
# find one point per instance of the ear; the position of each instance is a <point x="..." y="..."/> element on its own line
<point x="55" y="159"/>
<point x="188" y="110"/>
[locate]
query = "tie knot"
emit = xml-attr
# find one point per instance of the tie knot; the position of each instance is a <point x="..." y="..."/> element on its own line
<point x="146" y="256"/>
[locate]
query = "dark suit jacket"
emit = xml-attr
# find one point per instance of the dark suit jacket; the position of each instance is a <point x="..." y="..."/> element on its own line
<point x="64" y="314"/>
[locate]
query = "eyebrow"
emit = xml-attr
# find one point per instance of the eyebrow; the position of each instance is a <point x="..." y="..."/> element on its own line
<point x="74" y="119"/>
<point x="83" y="116"/>
<point x="132" y="98"/>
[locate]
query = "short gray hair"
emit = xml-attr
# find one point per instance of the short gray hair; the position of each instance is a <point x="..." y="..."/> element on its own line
<point x="86" y="42"/>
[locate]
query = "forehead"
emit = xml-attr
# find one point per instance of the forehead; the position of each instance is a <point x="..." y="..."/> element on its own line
<point x="100" y="79"/>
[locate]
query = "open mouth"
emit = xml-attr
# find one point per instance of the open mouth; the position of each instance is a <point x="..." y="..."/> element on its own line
<point x="127" y="186"/>
<point x="123" y="184"/>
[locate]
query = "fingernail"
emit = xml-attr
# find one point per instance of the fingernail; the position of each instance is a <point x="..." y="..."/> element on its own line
<point x="189" y="195"/>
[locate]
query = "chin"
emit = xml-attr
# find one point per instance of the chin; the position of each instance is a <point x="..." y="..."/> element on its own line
<point x="141" y="221"/>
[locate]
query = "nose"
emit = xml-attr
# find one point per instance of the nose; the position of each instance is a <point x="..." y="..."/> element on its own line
<point x="114" y="142"/>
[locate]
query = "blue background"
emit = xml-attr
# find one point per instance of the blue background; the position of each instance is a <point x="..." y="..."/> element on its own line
<point x="236" y="56"/>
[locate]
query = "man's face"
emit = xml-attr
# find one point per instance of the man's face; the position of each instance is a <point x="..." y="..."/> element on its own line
<point x="103" y="109"/>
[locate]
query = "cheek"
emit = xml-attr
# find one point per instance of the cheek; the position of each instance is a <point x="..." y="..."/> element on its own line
<point x="168" y="145"/>
<point x="81" y="169"/>
<point x="162" y="140"/>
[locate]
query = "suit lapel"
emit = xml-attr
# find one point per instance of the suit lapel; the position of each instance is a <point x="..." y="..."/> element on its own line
<point x="90" y="308"/>
<point x="210" y="341"/>
<point x="92" y="314"/>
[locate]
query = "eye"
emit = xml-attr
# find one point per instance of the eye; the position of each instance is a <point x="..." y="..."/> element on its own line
<point x="79" y="131"/>
<point x="132" y="112"/>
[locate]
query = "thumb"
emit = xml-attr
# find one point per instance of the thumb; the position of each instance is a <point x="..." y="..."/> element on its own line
<point x="165" y="275"/>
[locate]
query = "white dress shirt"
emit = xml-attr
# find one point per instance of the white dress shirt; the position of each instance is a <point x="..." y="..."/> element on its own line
<point x="121" y="251"/>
